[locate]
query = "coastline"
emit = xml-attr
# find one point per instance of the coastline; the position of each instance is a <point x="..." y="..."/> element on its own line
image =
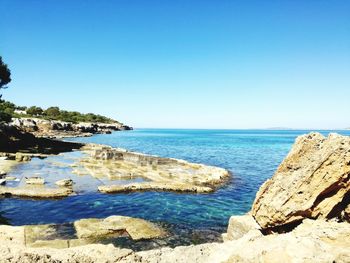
<point x="260" y="234"/>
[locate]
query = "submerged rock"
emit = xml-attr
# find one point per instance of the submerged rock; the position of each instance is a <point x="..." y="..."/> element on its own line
<point x="154" y="186"/>
<point x="312" y="182"/>
<point x="118" y="226"/>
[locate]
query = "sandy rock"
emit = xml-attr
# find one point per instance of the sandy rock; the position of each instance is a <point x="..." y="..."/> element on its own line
<point x="311" y="182"/>
<point x="241" y="225"/>
<point x="117" y="226"/>
<point x="65" y="182"/>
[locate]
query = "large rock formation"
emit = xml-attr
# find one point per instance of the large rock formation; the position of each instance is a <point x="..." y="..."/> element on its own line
<point x="312" y="182"/>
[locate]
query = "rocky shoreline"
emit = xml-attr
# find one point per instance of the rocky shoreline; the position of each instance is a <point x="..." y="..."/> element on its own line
<point x="301" y="214"/>
<point x="61" y="129"/>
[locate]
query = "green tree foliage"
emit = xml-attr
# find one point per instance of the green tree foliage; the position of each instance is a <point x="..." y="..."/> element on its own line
<point x="5" y="78"/>
<point x="5" y="74"/>
<point x="52" y="112"/>
<point x="35" y="111"/>
<point x="7" y="110"/>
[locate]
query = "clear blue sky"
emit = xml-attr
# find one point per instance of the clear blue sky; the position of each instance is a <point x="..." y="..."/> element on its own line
<point x="183" y="63"/>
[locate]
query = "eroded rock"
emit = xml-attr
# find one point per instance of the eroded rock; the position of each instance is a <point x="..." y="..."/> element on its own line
<point x="312" y="182"/>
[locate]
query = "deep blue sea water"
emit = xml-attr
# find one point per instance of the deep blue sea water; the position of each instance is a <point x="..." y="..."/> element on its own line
<point x="250" y="155"/>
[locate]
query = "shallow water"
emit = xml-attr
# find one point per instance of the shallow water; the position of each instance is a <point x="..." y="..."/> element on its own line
<point x="250" y="155"/>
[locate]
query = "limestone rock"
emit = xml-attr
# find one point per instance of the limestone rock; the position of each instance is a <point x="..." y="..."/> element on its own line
<point x="117" y="226"/>
<point x="241" y="225"/>
<point x="312" y="182"/>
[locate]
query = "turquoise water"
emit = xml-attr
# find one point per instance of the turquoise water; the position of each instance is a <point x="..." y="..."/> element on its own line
<point x="250" y="155"/>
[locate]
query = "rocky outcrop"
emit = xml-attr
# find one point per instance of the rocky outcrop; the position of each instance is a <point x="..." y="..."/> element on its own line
<point x="312" y="182"/>
<point x="160" y="174"/>
<point x="61" y="129"/>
